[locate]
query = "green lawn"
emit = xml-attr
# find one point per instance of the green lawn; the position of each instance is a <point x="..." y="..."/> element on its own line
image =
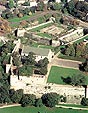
<point x="47" y="47"/>
<point x="45" y="35"/>
<point x="71" y="57"/>
<point x="39" y="110"/>
<point x="56" y="74"/>
<point x="17" y="19"/>
<point x="37" y="29"/>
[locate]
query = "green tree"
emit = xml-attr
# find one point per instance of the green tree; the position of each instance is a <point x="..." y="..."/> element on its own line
<point x="40" y="6"/>
<point x="57" y="6"/>
<point x="43" y="70"/>
<point x="4" y="95"/>
<point x="85" y="65"/>
<point x="38" y="102"/>
<point x="26" y="3"/>
<point x="43" y="63"/>
<point x="26" y="70"/>
<point x="16" y="59"/>
<point x="84" y="101"/>
<point x="11" y="4"/>
<point x="86" y="51"/>
<point x="70" y="50"/>
<point x="78" y="80"/>
<point x="16" y="95"/>
<point x="50" y="99"/>
<point x="71" y="6"/>
<point x="28" y="100"/>
<point x="30" y="59"/>
<point x="26" y="11"/>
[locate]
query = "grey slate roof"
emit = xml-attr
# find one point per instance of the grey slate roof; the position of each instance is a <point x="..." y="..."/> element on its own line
<point x="36" y="51"/>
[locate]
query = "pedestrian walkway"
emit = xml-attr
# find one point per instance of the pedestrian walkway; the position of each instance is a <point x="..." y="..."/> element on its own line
<point x="12" y="105"/>
<point x="69" y="107"/>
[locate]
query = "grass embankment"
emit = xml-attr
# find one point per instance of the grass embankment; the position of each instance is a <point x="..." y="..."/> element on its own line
<point x="71" y="57"/>
<point x="56" y="74"/>
<point x="39" y="110"/>
<point x="17" y="19"/>
<point x="45" y="35"/>
<point x="37" y="29"/>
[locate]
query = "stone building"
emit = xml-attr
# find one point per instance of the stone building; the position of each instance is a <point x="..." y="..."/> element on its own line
<point x="40" y="53"/>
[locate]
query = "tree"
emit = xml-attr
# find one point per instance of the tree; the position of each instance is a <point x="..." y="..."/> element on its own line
<point x="25" y="70"/>
<point x="78" y="80"/>
<point x="28" y="100"/>
<point x="85" y="65"/>
<point x="80" y="49"/>
<point x="4" y="95"/>
<point x="43" y="63"/>
<point x="70" y="50"/>
<point x="26" y="3"/>
<point x="16" y="95"/>
<point x="40" y="6"/>
<point x="71" y="6"/>
<point x="43" y="70"/>
<point x="16" y="59"/>
<point x="50" y="99"/>
<point x="38" y="102"/>
<point x="30" y="59"/>
<point x="33" y="9"/>
<point x="57" y="6"/>
<point x="86" y="51"/>
<point x="10" y="4"/>
<point x="84" y="101"/>
<point x="26" y="11"/>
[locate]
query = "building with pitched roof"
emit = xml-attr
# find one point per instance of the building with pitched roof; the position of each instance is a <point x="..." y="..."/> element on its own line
<point x="40" y="53"/>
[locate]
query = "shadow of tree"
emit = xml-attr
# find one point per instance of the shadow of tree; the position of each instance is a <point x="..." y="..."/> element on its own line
<point x="66" y="80"/>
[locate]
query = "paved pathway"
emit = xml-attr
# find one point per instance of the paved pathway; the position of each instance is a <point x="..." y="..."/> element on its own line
<point x="79" y="108"/>
<point x="5" y="106"/>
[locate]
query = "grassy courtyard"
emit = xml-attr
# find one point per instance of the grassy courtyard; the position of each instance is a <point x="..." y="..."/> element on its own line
<point x="39" y="110"/>
<point x="56" y="74"/>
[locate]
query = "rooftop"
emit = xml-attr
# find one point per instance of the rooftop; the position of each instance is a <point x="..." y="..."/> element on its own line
<point x="37" y="51"/>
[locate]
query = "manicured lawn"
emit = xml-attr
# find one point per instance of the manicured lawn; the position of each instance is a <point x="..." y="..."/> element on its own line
<point x="56" y="74"/>
<point x="39" y="110"/>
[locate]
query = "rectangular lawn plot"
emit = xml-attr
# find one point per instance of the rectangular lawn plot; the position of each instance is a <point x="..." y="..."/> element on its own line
<point x="57" y="73"/>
